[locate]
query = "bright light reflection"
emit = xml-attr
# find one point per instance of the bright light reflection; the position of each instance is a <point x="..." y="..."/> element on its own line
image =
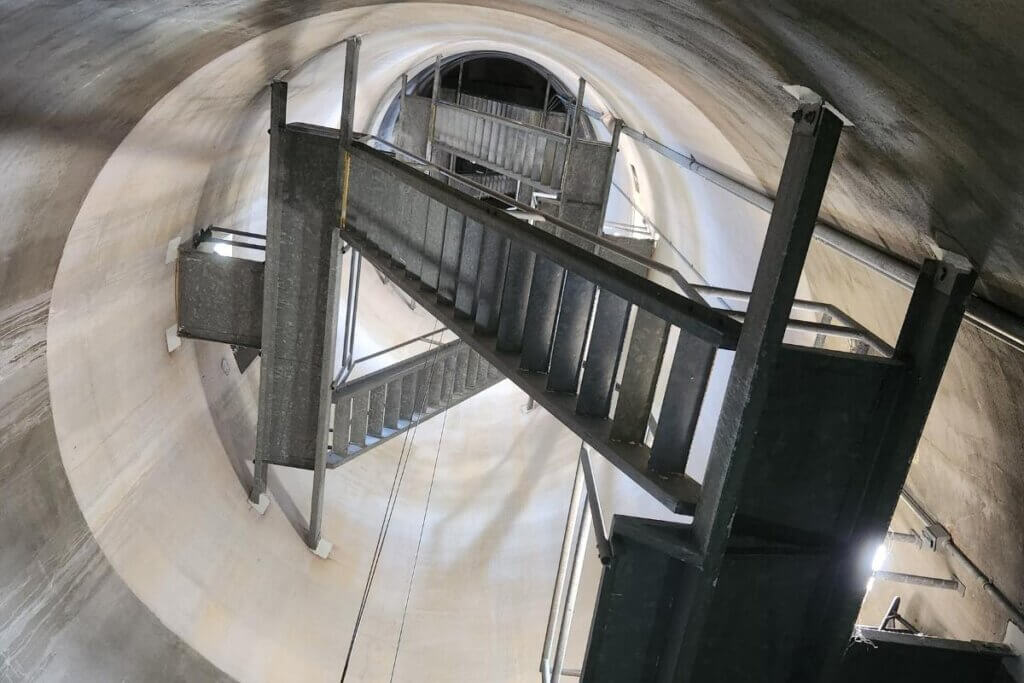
<point x="222" y="249"/>
<point x="881" y="555"/>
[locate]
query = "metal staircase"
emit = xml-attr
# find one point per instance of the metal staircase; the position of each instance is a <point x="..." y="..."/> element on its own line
<point x="500" y="288"/>
<point x="517" y="142"/>
<point x="531" y="154"/>
<point x="811" y="449"/>
<point x="372" y="409"/>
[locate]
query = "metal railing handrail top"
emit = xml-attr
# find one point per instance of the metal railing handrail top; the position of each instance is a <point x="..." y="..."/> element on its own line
<point x="694" y="292"/>
<point x="690" y="313"/>
<point x="512" y="123"/>
<point x="395" y="371"/>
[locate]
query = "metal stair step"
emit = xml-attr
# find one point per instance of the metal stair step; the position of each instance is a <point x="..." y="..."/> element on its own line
<point x="541" y="312"/>
<point x="435" y="384"/>
<point x="360" y="412"/>
<point x="342" y="424"/>
<point x="407" y="406"/>
<point x="472" y="369"/>
<point x="448" y="381"/>
<point x="469" y="264"/>
<point x="461" y="369"/>
<point x="375" y="417"/>
<point x="643" y="364"/>
<point x="422" y="389"/>
<point x="604" y="353"/>
<point x="491" y="281"/>
<point x="571" y="334"/>
<point x="515" y="297"/>
<point x="393" y="403"/>
<point x="449" y="265"/>
<point x="680" y="409"/>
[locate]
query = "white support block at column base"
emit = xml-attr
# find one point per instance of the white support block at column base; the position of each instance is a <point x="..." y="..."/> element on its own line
<point x="323" y="549"/>
<point x="1015" y="639"/>
<point x="173" y="340"/>
<point x="261" y="506"/>
<point x="172" y="250"/>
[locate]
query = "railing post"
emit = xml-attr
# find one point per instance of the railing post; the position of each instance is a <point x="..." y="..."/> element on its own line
<point x="346" y="124"/>
<point x="403" y="86"/>
<point x="550" y="634"/>
<point x="573" y="128"/>
<point x="433" y="108"/>
<point x="606" y="190"/>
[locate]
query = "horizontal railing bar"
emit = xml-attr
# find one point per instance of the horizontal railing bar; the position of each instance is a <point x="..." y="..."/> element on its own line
<point x="696" y="317"/>
<point x="698" y="293"/>
<point x="230" y="243"/>
<point x="241" y="233"/>
<point x="999" y="322"/>
<point x="511" y="123"/>
<point x="480" y="161"/>
<point x="825" y="329"/>
<point x="422" y="337"/>
<point x="393" y="372"/>
<point x="838" y="314"/>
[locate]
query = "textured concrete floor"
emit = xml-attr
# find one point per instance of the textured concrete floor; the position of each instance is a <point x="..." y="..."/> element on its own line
<point x="932" y="88"/>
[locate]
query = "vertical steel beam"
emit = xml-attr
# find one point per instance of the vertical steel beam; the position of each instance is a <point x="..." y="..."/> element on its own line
<point x="929" y="330"/>
<point x="812" y="148"/>
<point x="345" y="126"/>
<point x="604" y="547"/>
<point x="278" y="120"/>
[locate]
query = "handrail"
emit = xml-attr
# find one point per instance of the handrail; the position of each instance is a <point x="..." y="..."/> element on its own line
<point x="512" y="123"/>
<point x="860" y="332"/>
<point x="695" y="292"/>
<point x="998" y="322"/>
<point x="395" y="371"/>
<point x="422" y="338"/>
<point x="596" y="240"/>
<point x="692" y="315"/>
<point x="352" y="304"/>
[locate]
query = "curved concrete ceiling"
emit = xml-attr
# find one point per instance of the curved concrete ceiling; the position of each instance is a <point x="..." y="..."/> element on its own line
<point x="145" y="586"/>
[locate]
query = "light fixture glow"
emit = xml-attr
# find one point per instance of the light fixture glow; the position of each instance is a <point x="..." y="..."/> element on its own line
<point x="881" y="555"/>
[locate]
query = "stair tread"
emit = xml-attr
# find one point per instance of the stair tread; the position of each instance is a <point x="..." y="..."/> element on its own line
<point x="678" y="492"/>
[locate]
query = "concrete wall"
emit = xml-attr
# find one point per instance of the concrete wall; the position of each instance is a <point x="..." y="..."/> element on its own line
<point x="153" y="444"/>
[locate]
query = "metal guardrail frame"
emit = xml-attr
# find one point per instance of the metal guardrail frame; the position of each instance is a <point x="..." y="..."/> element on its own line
<point x="510" y="123"/>
<point x="692" y="315"/>
<point x="852" y="330"/>
<point x="396" y="371"/>
<point x="584" y="510"/>
<point x="998" y="322"/>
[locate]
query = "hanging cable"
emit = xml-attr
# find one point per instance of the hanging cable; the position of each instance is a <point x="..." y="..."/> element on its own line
<point x="419" y="542"/>
<point x="396" y="486"/>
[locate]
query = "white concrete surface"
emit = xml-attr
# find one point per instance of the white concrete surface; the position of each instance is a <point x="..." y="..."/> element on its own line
<point x="156" y="445"/>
